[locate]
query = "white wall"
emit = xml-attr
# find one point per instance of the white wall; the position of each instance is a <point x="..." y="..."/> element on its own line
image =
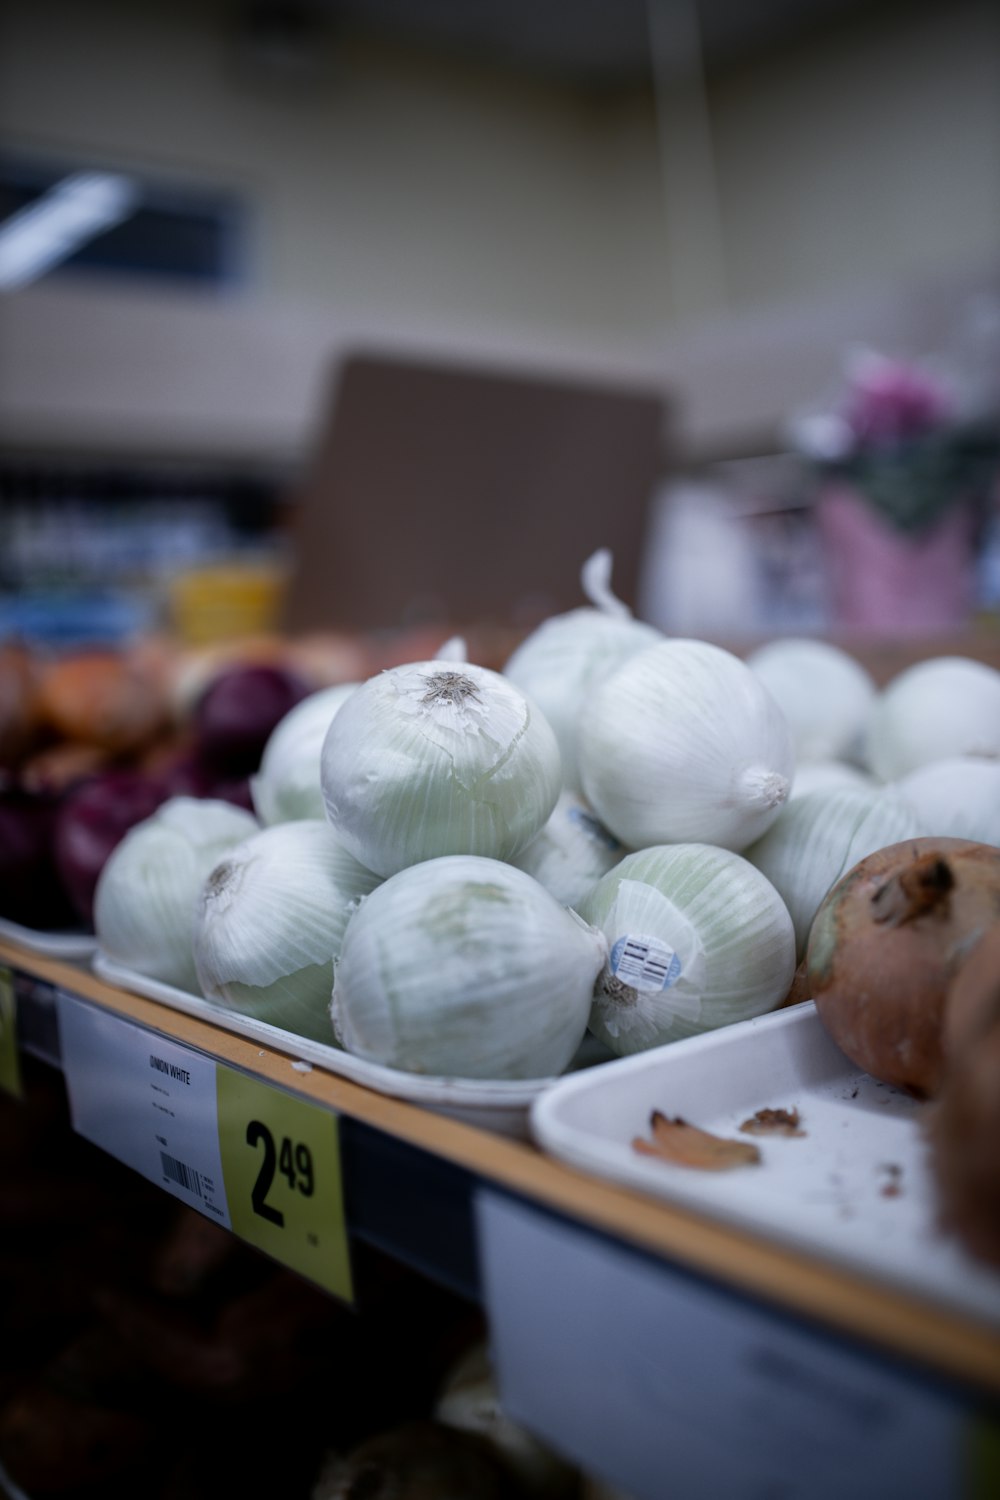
<point x="410" y="201"/>
<point x="875" y="155"/>
<point x="394" y="188"/>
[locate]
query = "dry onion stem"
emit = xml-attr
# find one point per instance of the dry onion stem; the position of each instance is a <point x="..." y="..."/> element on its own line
<point x="687" y="1145"/>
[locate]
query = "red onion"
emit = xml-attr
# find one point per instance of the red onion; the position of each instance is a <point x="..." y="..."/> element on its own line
<point x="189" y="775"/>
<point x="235" y="715"/>
<point x="92" y="819"/>
<point x="31" y="890"/>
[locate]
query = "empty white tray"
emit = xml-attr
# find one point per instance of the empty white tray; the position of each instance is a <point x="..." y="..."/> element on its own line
<point x="855" y="1187"/>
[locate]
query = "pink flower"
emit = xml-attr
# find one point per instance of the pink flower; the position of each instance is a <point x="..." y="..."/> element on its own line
<point x="889" y="401"/>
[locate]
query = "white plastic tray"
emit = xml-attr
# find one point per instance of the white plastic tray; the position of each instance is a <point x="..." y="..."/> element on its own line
<point x="54" y="944"/>
<point x="855" y="1188"/>
<point x="499" y="1105"/>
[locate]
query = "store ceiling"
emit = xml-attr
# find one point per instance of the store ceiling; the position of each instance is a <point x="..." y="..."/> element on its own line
<point x="599" y="42"/>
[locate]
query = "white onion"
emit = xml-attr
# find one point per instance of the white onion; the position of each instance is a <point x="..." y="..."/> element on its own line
<point x="824" y="693"/>
<point x="936" y="709"/>
<point x="271" y="919"/>
<point x="465" y="967"/>
<point x="572" y="852"/>
<point x="821" y="835"/>
<point x="147" y="891"/>
<point x="956" y="798"/>
<point x="433" y="758"/>
<point x="697" y="938"/>
<point x="817" y="775"/>
<point x="684" y="744"/>
<point x="560" y="663"/>
<point x="287" y="787"/>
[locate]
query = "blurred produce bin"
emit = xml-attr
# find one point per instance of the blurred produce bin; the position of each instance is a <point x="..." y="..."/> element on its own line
<point x="226" y="600"/>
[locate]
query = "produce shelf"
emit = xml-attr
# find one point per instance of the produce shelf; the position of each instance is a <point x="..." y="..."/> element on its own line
<point x="415" y="1181"/>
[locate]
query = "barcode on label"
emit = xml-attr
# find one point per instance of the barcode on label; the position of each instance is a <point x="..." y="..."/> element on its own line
<point x="185" y="1176"/>
<point x="645" y="963"/>
<point x="637" y="963"/>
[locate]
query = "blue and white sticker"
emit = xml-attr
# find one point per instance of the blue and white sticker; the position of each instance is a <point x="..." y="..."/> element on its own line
<point x="645" y="963"/>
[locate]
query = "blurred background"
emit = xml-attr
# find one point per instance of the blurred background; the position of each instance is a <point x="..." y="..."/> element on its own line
<point x="330" y="329"/>
<point x="380" y="314"/>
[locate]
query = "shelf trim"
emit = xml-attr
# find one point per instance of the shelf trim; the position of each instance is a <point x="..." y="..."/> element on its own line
<point x="888" y="1320"/>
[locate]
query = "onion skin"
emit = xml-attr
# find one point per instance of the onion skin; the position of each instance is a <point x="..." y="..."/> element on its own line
<point x="964" y="1131"/>
<point x="886" y="944"/>
<point x="964" y="1121"/>
<point x="798" y="991"/>
<point x="973" y="1003"/>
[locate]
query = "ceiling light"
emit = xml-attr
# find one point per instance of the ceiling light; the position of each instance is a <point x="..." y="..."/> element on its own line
<point x="48" y="231"/>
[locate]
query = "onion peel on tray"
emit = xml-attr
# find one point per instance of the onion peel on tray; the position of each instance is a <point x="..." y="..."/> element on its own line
<point x="675" y="1140"/>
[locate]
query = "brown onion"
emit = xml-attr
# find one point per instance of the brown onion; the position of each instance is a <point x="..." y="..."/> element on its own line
<point x="20" y="724"/>
<point x="973" y="1002"/>
<point x="113" y="699"/>
<point x="886" y="944"/>
<point x="964" y="1120"/>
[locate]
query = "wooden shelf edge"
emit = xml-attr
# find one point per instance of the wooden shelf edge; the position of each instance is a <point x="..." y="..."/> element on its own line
<point x="888" y="1319"/>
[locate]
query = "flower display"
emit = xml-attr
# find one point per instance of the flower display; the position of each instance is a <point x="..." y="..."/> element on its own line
<point x="899" y="435"/>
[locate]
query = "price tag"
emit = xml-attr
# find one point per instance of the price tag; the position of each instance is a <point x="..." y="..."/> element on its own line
<point x="146" y="1100"/>
<point x="264" y="1163"/>
<point x="10" y="1062"/>
<point x="281" y="1164"/>
<point x="669" y="1386"/>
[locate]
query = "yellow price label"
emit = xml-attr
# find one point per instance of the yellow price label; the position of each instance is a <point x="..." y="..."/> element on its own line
<point x="10" y="1062"/>
<point x="281" y="1167"/>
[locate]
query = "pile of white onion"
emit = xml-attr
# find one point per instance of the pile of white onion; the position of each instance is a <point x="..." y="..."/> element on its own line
<point x="287" y="785"/>
<point x="465" y="967"/>
<point x="572" y="851"/>
<point x="147" y="891"/>
<point x="932" y="711"/>
<point x="822" y="834"/>
<point x="684" y="744"/>
<point x="560" y="664"/>
<point x="958" y="797"/>
<point x="270" y="920"/>
<point x="826" y="695"/>
<point x="697" y="938"/>
<point x="621" y="837"/>
<point x="434" y="758"/>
